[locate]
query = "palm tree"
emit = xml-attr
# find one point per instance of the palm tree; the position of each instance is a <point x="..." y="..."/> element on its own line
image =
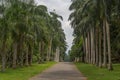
<point x="28" y="30"/>
<point x="4" y="36"/>
<point x="83" y="20"/>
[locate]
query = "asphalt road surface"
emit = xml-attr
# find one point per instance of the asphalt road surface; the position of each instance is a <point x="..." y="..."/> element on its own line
<point x="60" y="71"/>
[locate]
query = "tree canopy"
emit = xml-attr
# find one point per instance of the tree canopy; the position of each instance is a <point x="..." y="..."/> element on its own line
<point x="96" y="25"/>
<point x="29" y="33"/>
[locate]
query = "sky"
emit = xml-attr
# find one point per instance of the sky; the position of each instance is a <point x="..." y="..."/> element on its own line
<point x="62" y="8"/>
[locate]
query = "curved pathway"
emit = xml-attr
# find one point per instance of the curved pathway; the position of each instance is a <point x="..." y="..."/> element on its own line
<point x="60" y="71"/>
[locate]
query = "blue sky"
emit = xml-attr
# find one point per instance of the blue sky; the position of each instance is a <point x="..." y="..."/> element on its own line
<point x="62" y="8"/>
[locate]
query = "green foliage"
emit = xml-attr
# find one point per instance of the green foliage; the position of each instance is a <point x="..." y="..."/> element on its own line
<point x="77" y="49"/>
<point x="28" y="32"/>
<point x="90" y="14"/>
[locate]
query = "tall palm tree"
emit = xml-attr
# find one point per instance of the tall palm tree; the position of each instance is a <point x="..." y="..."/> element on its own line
<point x="83" y="20"/>
<point x="28" y="30"/>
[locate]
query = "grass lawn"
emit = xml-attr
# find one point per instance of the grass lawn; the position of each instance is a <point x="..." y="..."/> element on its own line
<point x="94" y="73"/>
<point x="24" y="73"/>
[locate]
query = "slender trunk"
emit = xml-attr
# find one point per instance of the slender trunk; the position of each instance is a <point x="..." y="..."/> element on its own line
<point x="47" y="53"/>
<point x="3" y="55"/>
<point x="86" y="49"/>
<point x="30" y="55"/>
<point x="96" y="48"/>
<point x="57" y="55"/>
<point x="109" y="46"/>
<point x="49" y="48"/>
<point x="52" y="56"/>
<point x="26" y="57"/>
<point x="21" y="51"/>
<point x="104" y="45"/>
<point x="14" y="55"/>
<point x="92" y="46"/>
<point x="100" y="55"/>
<point x="89" y="47"/>
<point x="95" y="45"/>
<point x="42" y="51"/>
<point x="39" y="61"/>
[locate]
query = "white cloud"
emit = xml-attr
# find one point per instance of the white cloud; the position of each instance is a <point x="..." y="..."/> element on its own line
<point x="62" y="8"/>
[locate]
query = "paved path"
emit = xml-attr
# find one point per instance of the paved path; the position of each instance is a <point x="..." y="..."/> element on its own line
<point x="60" y="71"/>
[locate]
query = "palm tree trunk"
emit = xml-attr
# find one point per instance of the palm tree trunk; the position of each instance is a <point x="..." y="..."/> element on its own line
<point x="57" y="55"/>
<point x="93" y="31"/>
<point x="104" y="45"/>
<point x="21" y="50"/>
<point x="84" y="48"/>
<point x="3" y="55"/>
<point x="42" y="51"/>
<point x="26" y="57"/>
<point x="96" y="48"/>
<point x="86" y="42"/>
<point x="109" y="46"/>
<point x="30" y="55"/>
<point x="39" y="61"/>
<point x="89" y="55"/>
<point x="100" y="55"/>
<point x="88" y="48"/>
<point x="14" y="55"/>
<point x="49" y="50"/>
<point x="92" y="46"/>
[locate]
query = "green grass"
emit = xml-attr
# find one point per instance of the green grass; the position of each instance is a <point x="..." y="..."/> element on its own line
<point x="24" y="73"/>
<point x="94" y="73"/>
